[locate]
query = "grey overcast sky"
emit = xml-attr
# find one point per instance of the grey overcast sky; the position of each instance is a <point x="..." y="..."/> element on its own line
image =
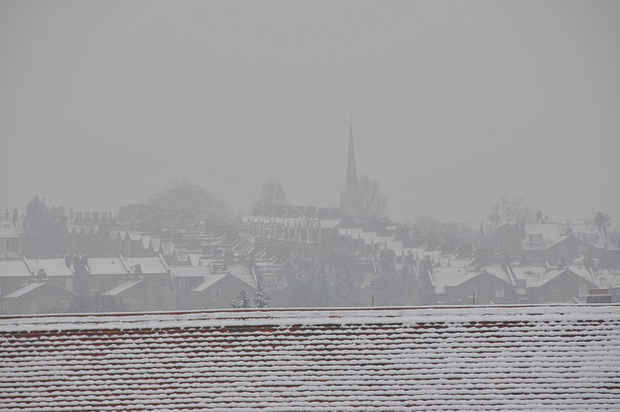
<point x="454" y="103"/>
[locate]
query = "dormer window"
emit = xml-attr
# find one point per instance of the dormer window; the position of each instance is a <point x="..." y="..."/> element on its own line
<point x="591" y="238"/>
<point x="536" y="239"/>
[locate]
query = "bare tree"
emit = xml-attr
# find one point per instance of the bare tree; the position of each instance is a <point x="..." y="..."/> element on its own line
<point x="510" y="211"/>
<point x="191" y="198"/>
<point x="601" y="220"/>
<point x="271" y="196"/>
<point x="373" y="202"/>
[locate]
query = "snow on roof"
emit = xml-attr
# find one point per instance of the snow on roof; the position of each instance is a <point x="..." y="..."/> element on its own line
<point x="107" y="266"/>
<point x="194" y="259"/>
<point x="155" y="243"/>
<point x="14" y="267"/>
<point x="149" y="265"/>
<point x="540" y="278"/>
<point x="123" y="287"/>
<point x="450" y="276"/>
<point x="243" y="273"/>
<point x="551" y="233"/>
<point x="146" y="242"/>
<point x="210" y="281"/>
<point x="26" y="289"/>
<point x="533" y="358"/>
<point x="53" y="267"/>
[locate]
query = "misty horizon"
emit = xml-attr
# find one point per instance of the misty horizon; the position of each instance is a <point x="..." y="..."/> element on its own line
<point x="453" y="105"/>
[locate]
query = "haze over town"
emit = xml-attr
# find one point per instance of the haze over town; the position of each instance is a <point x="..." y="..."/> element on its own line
<point x="310" y="205"/>
<point x="453" y="105"/>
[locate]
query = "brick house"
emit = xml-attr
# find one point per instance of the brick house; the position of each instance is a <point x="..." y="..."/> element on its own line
<point x="39" y="296"/>
<point x="186" y="279"/>
<point x="466" y="286"/>
<point x="142" y="294"/>
<point x="560" y="285"/>
<point x="219" y="289"/>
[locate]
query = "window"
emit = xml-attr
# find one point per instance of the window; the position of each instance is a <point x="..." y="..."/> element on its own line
<point x="555" y="290"/>
<point x="536" y="239"/>
<point x="184" y="282"/>
<point x="5" y="306"/>
<point x="472" y="291"/>
<point x="583" y="289"/>
<point x="216" y="294"/>
<point x="95" y="284"/>
<point x="270" y="280"/>
<point x="8" y="245"/>
<point x="499" y="291"/>
<point x="591" y="237"/>
<point x="130" y="304"/>
<point x="64" y="305"/>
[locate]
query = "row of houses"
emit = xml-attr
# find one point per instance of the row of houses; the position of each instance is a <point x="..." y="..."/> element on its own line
<point x="80" y="284"/>
<point x="458" y="282"/>
<point x="552" y="241"/>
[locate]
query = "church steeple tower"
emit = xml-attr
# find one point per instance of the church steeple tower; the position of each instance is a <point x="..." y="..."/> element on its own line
<point x="350" y="197"/>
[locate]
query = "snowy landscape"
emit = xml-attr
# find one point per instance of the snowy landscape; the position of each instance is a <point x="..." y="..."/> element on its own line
<point x="309" y="206"/>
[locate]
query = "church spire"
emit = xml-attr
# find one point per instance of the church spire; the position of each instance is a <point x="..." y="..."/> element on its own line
<point x="351" y="185"/>
<point x="350" y="197"/>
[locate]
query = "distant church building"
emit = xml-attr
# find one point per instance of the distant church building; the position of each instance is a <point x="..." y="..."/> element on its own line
<point x="351" y="197"/>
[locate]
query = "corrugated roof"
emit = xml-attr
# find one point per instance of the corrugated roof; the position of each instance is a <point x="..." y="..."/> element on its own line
<point x="526" y="358"/>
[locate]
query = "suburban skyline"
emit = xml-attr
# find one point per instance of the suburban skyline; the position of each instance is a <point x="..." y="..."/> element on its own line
<point x="453" y="105"/>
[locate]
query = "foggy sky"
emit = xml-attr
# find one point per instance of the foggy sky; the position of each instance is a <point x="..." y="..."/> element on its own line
<point x="454" y="104"/>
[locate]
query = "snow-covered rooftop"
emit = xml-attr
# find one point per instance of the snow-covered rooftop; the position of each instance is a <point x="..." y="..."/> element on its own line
<point x="14" y="267"/>
<point x="123" y="287"/>
<point x="25" y="289"/>
<point x="526" y="358"/>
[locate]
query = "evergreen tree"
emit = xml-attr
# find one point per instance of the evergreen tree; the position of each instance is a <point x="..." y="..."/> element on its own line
<point x="261" y="299"/>
<point x="44" y="229"/>
<point x="242" y="300"/>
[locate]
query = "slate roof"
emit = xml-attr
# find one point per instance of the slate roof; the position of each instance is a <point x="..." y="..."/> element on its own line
<point x="53" y="266"/>
<point x="107" y="266"/>
<point x="526" y="358"/>
<point x="210" y="281"/>
<point x="14" y="267"/>
<point x="123" y="287"/>
<point x="149" y="265"/>
<point x="26" y="289"/>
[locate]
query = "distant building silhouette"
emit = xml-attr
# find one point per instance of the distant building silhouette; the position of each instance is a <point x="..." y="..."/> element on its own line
<point x="350" y="198"/>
